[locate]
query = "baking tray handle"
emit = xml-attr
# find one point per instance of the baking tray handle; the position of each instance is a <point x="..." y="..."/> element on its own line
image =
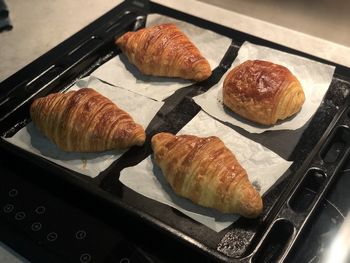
<point x="288" y="224"/>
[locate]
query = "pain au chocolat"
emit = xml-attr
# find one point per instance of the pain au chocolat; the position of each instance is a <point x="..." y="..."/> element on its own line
<point x="205" y="171"/>
<point x="165" y="51"/>
<point x="262" y="92"/>
<point x="85" y="121"/>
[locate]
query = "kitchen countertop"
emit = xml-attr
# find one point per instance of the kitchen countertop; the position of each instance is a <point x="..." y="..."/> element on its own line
<point x="320" y="29"/>
<point x="46" y="24"/>
<point x="325" y="19"/>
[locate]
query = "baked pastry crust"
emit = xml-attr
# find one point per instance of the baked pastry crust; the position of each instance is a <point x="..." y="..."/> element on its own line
<point x="163" y="50"/>
<point x="205" y="171"/>
<point x="262" y="92"/>
<point x="85" y="121"/>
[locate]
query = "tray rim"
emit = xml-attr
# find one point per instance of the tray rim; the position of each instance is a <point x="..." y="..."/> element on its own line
<point x="152" y="220"/>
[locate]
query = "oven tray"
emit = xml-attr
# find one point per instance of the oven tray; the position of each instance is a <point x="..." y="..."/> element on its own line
<point x="318" y="154"/>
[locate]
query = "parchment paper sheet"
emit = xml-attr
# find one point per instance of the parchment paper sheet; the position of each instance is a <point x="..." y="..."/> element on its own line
<point x="262" y="165"/>
<point x="119" y="72"/>
<point x="141" y="108"/>
<point x="315" y="78"/>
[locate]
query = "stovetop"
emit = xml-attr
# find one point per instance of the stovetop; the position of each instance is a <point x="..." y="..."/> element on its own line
<point x="49" y="214"/>
<point x="44" y="224"/>
<point x="48" y="228"/>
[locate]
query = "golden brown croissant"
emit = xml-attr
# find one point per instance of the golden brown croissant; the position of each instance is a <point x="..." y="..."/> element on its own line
<point x="85" y="121"/>
<point x="262" y="92"/>
<point x="205" y="171"/>
<point x="164" y="50"/>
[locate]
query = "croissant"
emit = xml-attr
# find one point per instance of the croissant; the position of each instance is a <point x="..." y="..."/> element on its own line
<point x="85" y="121"/>
<point x="262" y="92"/>
<point x="163" y="50"/>
<point x="205" y="171"/>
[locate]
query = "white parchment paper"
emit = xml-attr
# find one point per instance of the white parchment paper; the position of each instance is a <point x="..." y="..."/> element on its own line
<point x="263" y="166"/>
<point x="141" y="108"/>
<point x="119" y="72"/>
<point x="315" y="78"/>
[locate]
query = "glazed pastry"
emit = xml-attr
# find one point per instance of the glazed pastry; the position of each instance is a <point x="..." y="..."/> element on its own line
<point x="85" y="121"/>
<point x="262" y="92"/>
<point x="205" y="171"/>
<point x="165" y="51"/>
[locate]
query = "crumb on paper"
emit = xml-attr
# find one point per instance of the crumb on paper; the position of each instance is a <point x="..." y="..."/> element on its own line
<point x="84" y="161"/>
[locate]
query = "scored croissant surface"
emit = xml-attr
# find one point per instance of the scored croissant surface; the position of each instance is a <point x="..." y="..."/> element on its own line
<point x="205" y="171"/>
<point x="163" y="50"/>
<point x="263" y="92"/>
<point x="85" y="121"/>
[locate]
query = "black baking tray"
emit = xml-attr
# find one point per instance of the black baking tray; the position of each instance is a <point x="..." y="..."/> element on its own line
<point x="318" y="149"/>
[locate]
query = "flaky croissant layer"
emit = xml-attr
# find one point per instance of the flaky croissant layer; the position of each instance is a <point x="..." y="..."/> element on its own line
<point x="205" y="171"/>
<point x="262" y="92"/>
<point x="85" y="121"/>
<point x="165" y="51"/>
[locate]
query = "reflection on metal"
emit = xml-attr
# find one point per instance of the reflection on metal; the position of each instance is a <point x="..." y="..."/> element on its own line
<point x="335" y="207"/>
<point x="339" y="250"/>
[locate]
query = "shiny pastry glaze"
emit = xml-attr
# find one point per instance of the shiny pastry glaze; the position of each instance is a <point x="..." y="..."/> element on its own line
<point x="257" y="79"/>
<point x="168" y="37"/>
<point x="163" y="50"/>
<point x="262" y="92"/>
<point x="85" y="121"/>
<point x="205" y="171"/>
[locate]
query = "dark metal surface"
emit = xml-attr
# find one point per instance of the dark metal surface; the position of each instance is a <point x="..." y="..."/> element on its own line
<point x="246" y="240"/>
